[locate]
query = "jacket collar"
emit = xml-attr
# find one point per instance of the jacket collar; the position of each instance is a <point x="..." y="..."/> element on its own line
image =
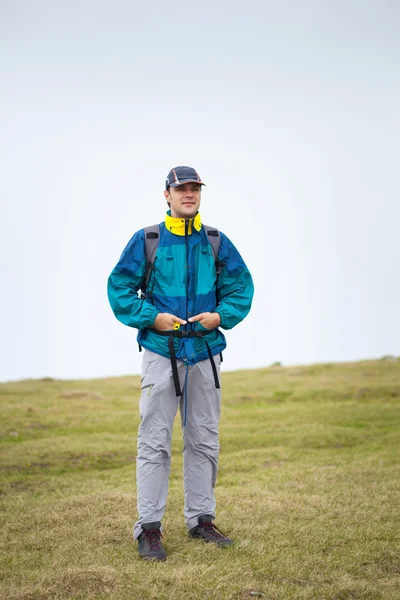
<point x="177" y="226"/>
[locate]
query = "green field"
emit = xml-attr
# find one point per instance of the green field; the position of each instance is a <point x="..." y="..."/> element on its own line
<point x="308" y="487"/>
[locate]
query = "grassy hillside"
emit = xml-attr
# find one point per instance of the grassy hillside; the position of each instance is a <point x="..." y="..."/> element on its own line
<point x="308" y="485"/>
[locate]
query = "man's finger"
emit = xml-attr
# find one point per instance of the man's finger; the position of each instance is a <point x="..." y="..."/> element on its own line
<point x="196" y="318"/>
<point x="178" y="320"/>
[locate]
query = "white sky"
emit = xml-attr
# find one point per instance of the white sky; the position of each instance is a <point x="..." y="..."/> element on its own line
<point x="290" y="112"/>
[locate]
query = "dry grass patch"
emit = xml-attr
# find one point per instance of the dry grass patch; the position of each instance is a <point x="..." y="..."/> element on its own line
<point x="308" y="485"/>
<point x="81" y="394"/>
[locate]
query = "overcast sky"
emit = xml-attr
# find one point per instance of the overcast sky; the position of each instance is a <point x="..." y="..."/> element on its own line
<point x="289" y="111"/>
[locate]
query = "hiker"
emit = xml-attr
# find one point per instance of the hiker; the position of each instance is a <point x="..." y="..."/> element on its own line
<point x="177" y="283"/>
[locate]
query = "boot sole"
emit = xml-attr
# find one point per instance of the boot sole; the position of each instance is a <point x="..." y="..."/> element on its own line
<point x="220" y="544"/>
<point x="153" y="558"/>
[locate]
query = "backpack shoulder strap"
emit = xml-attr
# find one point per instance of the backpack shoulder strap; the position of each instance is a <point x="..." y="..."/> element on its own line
<point x="151" y="241"/>
<point x="214" y="238"/>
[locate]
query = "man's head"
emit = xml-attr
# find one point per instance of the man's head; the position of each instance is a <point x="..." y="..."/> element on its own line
<point x="183" y="192"/>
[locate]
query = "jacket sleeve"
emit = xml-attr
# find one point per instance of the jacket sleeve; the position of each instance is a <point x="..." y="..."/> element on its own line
<point x="123" y="285"/>
<point x="235" y="286"/>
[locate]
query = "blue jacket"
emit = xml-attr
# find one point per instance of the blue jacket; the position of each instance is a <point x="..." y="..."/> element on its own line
<point x="182" y="283"/>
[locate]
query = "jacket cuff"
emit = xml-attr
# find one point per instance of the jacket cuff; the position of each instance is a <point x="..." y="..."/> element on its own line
<point x="221" y="318"/>
<point x="153" y="318"/>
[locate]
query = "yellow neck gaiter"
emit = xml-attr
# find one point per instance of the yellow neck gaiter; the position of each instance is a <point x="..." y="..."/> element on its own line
<point x="177" y="226"/>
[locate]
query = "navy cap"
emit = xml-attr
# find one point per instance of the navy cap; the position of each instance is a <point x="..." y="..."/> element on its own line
<point x="180" y="175"/>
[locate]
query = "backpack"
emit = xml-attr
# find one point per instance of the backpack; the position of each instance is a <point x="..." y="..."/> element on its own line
<point x="151" y="240"/>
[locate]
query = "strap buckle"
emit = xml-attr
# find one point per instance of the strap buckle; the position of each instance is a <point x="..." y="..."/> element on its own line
<point x="183" y="334"/>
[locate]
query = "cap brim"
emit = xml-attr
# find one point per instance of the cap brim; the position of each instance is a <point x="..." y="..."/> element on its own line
<point x="181" y="181"/>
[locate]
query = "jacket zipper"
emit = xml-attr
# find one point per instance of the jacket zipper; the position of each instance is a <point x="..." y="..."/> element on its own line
<point x="187" y="265"/>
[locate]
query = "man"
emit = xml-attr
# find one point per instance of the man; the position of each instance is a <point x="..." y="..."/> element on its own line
<point x="195" y="283"/>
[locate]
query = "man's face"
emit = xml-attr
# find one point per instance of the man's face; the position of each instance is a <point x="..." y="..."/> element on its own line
<point x="184" y="200"/>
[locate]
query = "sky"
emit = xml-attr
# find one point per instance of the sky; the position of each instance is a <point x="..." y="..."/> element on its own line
<point x="290" y="112"/>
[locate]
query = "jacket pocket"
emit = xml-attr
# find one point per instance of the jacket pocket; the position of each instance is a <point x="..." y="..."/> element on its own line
<point x="170" y="276"/>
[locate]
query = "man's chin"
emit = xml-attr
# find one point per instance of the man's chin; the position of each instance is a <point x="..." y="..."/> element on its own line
<point x="189" y="213"/>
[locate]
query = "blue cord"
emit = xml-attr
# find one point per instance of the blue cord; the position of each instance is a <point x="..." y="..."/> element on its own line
<point x="186" y="395"/>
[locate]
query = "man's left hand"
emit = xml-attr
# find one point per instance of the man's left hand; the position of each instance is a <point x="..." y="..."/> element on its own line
<point x="207" y="319"/>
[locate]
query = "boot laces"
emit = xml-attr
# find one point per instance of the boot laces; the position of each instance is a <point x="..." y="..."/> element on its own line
<point x="153" y="537"/>
<point x="213" y="530"/>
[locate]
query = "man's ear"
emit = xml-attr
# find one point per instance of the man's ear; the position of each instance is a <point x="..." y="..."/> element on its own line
<point x="166" y="196"/>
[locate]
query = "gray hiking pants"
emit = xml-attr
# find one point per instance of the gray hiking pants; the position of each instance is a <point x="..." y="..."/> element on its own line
<point x="158" y="407"/>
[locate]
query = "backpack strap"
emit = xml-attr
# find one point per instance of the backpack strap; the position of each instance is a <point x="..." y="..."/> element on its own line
<point x="214" y="239"/>
<point x="151" y="241"/>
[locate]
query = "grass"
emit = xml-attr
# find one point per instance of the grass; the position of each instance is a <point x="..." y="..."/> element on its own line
<point x="308" y="486"/>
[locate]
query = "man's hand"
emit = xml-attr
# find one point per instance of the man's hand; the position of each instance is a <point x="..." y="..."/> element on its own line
<point x="166" y="321"/>
<point x="207" y="319"/>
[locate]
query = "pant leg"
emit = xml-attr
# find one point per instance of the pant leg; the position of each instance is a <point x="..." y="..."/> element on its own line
<point x="158" y="406"/>
<point x="201" y="442"/>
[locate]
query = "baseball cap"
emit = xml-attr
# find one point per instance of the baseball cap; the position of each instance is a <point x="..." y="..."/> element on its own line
<point x="180" y="175"/>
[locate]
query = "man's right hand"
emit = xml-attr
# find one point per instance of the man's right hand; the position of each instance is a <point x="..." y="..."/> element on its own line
<point x="166" y="321"/>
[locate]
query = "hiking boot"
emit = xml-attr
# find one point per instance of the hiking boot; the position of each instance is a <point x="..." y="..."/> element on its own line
<point x="150" y="545"/>
<point x="207" y="531"/>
